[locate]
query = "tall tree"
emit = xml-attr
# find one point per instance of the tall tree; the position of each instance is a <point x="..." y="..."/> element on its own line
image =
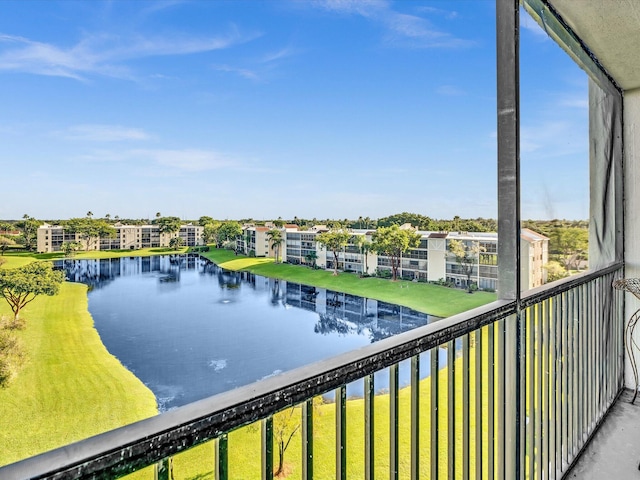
<point x="228" y="232"/>
<point x="334" y="241"/>
<point x="204" y="220"/>
<point x="364" y="246"/>
<point x="5" y="242"/>
<point x="89" y="230"/>
<point x="210" y="231"/>
<point x="29" y="228"/>
<point x="176" y="243"/>
<point x="393" y="242"/>
<point x="168" y="225"/>
<point x="569" y="245"/>
<point x="275" y="240"/>
<point x="466" y="255"/>
<point x="20" y="286"/>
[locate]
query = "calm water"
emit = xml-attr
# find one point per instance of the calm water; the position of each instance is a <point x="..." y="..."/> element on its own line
<point x="189" y="329"/>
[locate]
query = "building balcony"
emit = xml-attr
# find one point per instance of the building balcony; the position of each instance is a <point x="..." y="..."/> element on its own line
<point x="530" y="386"/>
<point x="519" y="388"/>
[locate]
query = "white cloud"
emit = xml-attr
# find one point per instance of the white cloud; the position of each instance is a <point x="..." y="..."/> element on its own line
<point x="242" y="72"/>
<point x="450" y="91"/>
<point x="401" y="29"/>
<point x="188" y="160"/>
<point x="104" y="55"/>
<point x="105" y="133"/>
<point x="171" y="160"/>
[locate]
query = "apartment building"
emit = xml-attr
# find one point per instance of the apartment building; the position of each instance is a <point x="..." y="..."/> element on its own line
<point x="128" y="237"/>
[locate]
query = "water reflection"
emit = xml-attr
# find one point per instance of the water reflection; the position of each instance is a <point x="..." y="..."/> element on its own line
<point x="190" y="329"/>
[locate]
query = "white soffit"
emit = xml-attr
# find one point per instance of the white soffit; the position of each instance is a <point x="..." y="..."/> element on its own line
<point x="611" y="30"/>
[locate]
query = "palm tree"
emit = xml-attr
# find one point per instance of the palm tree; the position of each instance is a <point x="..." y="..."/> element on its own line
<point x="275" y="239"/>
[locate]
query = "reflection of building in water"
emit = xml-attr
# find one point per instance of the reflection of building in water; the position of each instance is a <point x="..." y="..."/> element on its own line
<point x="97" y="273"/>
<point x="344" y="314"/>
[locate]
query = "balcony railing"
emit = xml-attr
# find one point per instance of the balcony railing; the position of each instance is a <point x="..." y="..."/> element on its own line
<point x="507" y="390"/>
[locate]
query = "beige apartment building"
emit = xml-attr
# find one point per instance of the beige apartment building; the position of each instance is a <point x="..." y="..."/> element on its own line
<point x="128" y="237"/>
<point x="430" y="261"/>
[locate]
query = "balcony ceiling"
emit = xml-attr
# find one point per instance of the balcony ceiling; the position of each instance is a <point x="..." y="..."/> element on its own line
<point x="611" y="30"/>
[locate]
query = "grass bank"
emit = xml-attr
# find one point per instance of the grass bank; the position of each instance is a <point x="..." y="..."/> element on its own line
<point x="70" y="387"/>
<point x="27" y="257"/>
<point x="423" y="297"/>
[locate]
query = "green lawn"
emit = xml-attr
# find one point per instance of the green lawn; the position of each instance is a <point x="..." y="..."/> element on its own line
<point x="70" y="387"/>
<point x="92" y="254"/>
<point x="423" y="297"/>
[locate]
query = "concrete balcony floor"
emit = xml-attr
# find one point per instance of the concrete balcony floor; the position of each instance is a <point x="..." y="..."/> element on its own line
<point x="614" y="451"/>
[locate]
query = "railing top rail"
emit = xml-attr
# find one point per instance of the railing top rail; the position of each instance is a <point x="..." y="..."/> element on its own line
<point x="552" y="289"/>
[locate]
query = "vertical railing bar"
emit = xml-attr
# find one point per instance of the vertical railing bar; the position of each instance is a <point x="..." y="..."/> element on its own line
<point x="545" y="353"/>
<point x="519" y="392"/>
<point x="559" y="399"/>
<point x="530" y="389"/>
<point x="568" y="304"/>
<point x="565" y="381"/>
<point x="267" y="448"/>
<point x="369" y="427"/>
<point x="307" y="440"/>
<point x="393" y="419"/>
<point x="434" y="401"/>
<point x="341" y="433"/>
<point x="415" y="417"/>
<point x="576" y="372"/>
<point x="539" y="355"/>
<point x="478" y="400"/>
<point x="582" y="319"/>
<point x="570" y="374"/>
<point x="593" y="360"/>
<point x="501" y="400"/>
<point x="222" y="457"/>
<point x="465" y="407"/>
<point x="451" y="409"/>
<point x="491" y="402"/>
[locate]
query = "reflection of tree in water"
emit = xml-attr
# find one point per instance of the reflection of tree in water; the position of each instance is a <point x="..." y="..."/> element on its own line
<point x="276" y="292"/>
<point x="328" y="324"/>
<point x="228" y="279"/>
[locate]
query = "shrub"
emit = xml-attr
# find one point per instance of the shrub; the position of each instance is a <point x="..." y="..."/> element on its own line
<point x="11" y="358"/>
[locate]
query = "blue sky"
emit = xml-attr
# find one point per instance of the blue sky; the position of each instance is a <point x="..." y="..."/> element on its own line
<point x="247" y="109"/>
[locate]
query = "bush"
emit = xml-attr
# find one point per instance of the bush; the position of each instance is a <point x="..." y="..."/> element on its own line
<point x="382" y="273"/>
<point x="11" y="358"/>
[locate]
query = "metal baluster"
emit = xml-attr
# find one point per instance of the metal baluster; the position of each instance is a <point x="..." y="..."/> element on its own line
<point x="369" y="456"/>
<point x="415" y="417"/>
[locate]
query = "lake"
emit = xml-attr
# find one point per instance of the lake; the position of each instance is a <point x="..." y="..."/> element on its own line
<point x="189" y="329"/>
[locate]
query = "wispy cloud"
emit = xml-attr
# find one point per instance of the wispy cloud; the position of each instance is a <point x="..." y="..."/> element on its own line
<point x="102" y="54"/>
<point x="450" y="91"/>
<point x="190" y="160"/>
<point x="175" y="160"/>
<point x="401" y="29"/>
<point x="262" y="67"/>
<point x="104" y="133"/>
<point x="242" y="72"/>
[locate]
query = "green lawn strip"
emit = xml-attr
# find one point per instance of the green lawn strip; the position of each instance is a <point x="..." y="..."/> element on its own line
<point x="26" y="257"/>
<point x="424" y="297"/>
<point x="71" y="387"/>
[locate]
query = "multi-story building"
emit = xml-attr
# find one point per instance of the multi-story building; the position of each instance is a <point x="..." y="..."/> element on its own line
<point x="430" y="261"/>
<point x="128" y="237"/>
